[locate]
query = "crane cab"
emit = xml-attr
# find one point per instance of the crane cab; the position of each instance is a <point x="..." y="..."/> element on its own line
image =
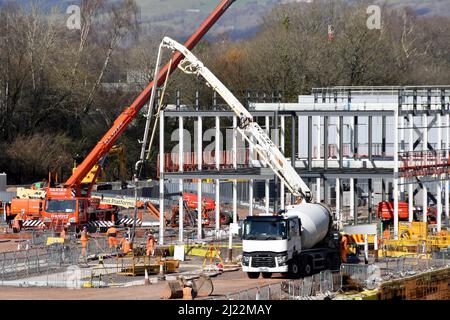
<point x="61" y="207"/>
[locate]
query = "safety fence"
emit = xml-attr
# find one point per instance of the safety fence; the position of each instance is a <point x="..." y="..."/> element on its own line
<point x="399" y="266"/>
<point x="350" y="276"/>
<point x="25" y="263"/>
<point x="266" y="292"/>
<point x="321" y="283"/>
<point x="66" y="266"/>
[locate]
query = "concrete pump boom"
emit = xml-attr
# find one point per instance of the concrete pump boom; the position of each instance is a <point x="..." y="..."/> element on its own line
<point x="248" y="128"/>
<point x="121" y="123"/>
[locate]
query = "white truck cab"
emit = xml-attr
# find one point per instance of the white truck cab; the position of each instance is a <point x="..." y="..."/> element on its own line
<point x="296" y="242"/>
<point x="269" y="242"/>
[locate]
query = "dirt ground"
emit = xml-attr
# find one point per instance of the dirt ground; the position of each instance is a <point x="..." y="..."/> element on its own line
<point x="228" y="282"/>
<point x="8" y="245"/>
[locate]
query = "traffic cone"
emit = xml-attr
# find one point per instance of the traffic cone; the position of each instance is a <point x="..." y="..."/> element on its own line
<point x="146" y="280"/>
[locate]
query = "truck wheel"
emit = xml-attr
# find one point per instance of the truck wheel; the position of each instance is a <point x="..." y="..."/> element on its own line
<point x="267" y="275"/>
<point x="307" y="267"/>
<point x="225" y="218"/>
<point x="294" y="268"/>
<point x="253" y="275"/>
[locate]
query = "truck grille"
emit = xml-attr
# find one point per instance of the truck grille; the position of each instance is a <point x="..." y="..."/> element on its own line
<point x="263" y="261"/>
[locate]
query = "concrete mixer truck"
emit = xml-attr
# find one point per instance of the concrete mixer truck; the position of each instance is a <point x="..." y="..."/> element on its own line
<point x="297" y="241"/>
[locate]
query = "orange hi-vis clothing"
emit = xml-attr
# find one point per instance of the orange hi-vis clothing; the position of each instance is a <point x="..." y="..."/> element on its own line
<point x="126" y="245"/>
<point x="84" y="241"/>
<point x="150" y="245"/>
<point x="112" y="237"/>
<point x="344" y="248"/>
<point x="111" y="232"/>
<point x="16" y="223"/>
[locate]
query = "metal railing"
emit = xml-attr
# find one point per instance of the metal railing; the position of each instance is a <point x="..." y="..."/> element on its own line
<point x="321" y="283"/>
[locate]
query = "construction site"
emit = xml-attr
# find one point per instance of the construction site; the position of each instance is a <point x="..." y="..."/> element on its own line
<point x="340" y="194"/>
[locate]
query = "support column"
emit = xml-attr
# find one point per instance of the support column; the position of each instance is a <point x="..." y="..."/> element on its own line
<point x="230" y="236"/>
<point x="318" y="187"/>
<point x="338" y="201"/>
<point x="447" y="194"/>
<point x="325" y="145"/>
<point x="410" y="202"/>
<point x="283" y="151"/>
<point x="410" y="156"/>
<point x="395" y="180"/>
<point x="318" y="140"/>
<point x="181" y="162"/>
<point x="161" y="178"/>
<point x="310" y="143"/>
<point x="425" y="155"/>
<point x="370" y="134"/>
<point x="402" y="122"/>
<point x="341" y="142"/>
<point x="439" y="183"/>
<point x="250" y="196"/>
<point x="318" y="157"/>
<point x="383" y="136"/>
<point x="217" y="158"/>
<point x="355" y="138"/>
<point x="251" y="182"/>
<point x="267" y="183"/>
<point x="293" y="146"/>
<point x="355" y="201"/>
<point x="352" y="198"/>
<point x="370" y="199"/>
<point x="299" y="134"/>
<point x="199" y="182"/>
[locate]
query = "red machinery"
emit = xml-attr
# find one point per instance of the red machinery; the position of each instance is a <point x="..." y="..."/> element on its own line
<point x="386" y="212"/>
<point x="190" y="201"/>
<point x="71" y="203"/>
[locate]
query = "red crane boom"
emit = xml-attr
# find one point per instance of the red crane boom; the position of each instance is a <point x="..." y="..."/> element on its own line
<point x="121" y="123"/>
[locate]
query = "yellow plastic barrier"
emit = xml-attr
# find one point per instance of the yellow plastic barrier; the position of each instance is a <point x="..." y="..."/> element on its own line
<point x="51" y="241"/>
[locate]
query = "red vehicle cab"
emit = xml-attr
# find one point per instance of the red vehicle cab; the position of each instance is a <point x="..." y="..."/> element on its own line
<point x="62" y="208"/>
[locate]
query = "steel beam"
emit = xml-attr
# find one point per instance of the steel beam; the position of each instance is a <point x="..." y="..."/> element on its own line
<point x="181" y="164"/>
<point x="161" y="178"/>
<point x="217" y="152"/>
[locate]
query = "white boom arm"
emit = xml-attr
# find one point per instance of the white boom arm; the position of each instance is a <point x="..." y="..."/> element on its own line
<point x="266" y="149"/>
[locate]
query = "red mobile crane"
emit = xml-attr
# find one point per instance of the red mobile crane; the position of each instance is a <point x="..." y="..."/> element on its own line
<point x="72" y="204"/>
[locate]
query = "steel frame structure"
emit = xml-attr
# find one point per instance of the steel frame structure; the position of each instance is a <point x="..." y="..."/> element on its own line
<point x="405" y="166"/>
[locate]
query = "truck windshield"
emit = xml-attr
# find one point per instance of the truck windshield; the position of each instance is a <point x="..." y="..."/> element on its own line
<point x="264" y="230"/>
<point x="66" y="206"/>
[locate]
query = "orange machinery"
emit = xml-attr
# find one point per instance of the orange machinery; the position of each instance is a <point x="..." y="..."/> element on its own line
<point x="386" y="211"/>
<point x="72" y="202"/>
<point x="191" y="204"/>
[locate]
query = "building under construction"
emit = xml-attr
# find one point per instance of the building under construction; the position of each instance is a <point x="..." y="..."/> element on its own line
<point x="347" y="189"/>
<point x="355" y="146"/>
